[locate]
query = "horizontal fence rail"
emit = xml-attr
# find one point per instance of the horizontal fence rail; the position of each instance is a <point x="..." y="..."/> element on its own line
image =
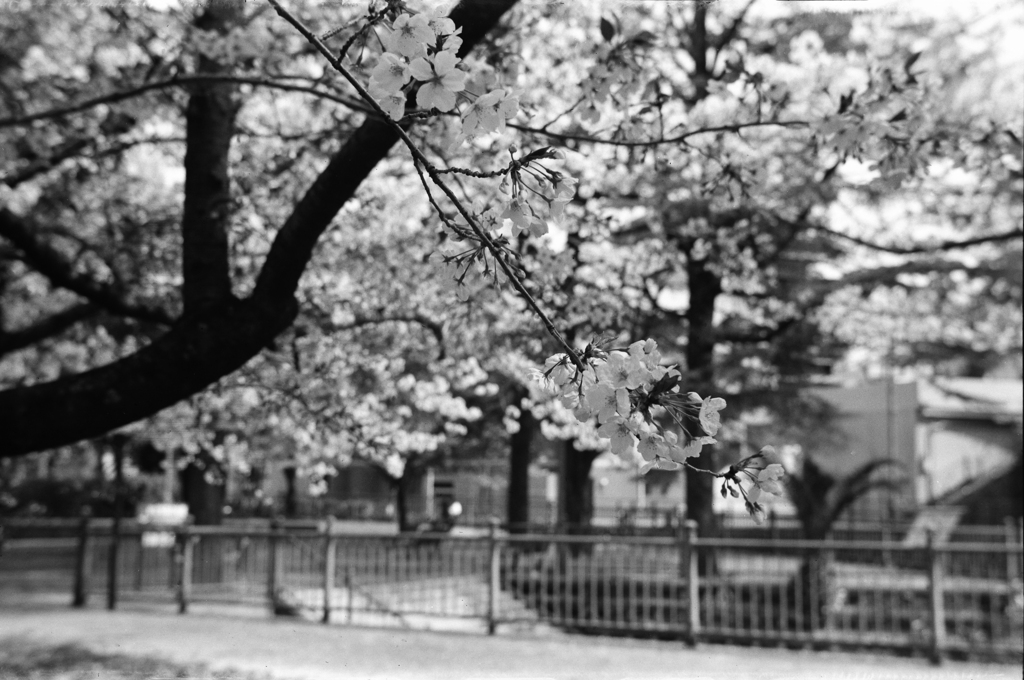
<point x="935" y="598"/>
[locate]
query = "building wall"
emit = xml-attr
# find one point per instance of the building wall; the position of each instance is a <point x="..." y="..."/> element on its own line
<point x="879" y="421"/>
<point x="953" y="452"/>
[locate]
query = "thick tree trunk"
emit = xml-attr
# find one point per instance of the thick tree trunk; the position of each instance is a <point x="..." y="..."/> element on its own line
<point x="577" y="492"/>
<point x="519" y="473"/>
<point x="209" y="130"/>
<point x="217" y="335"/>
<point x="705" y="287"/>
<point x="291" y="501"/>
<point x="202" y="489"/>
<point x="402" y="505"/>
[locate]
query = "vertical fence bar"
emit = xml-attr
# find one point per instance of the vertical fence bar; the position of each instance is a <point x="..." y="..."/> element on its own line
<point x="1012" y="537"/>
<point x="81" y="591"/>
<point x="273" y="564"/>
<point x="688" y="561"/>
<point x="139" y="563"/>
<point x="350" y="592"/>
<point x="112" y="559"/>
<point x="887" y="540"/>
<point x="1020" y="546"/>
<point x="185" y="560"/>
<point x="828" y="591"/>
<point x="814" y="594"/>
<point x="936" y="599"/>
<point x="494" y="580"/>
<point x="330" y="556"/>
<point x="115" y="532"/>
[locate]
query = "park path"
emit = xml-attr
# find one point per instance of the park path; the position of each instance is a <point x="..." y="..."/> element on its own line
<point x="303" y="650"/>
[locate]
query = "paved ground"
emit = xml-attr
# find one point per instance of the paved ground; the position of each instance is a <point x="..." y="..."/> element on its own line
<point x="298" y="649"/>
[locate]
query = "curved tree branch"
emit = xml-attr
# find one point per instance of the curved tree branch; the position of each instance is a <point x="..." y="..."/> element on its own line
<point x="22" y="234"/>
<point x="436" y="328"/>
<point x="11" y="341"/>
<point x="661" y="141"/>
<point x="941" y="246"/>
<point x="178" y="81"/>
<point x="193" y="354"/>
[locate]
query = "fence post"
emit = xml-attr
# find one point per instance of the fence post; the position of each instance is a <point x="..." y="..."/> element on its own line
<point x="494" y="581"/>
<point x="81" y="593"/>
<point x="115" y="531"/>
<point x="112" y="559"/>
<point x="1010" y="540"/>
<point x="140" y="562"/>
<point x="330" y="556"/>
<point x="688" y="569"/>
<point x="273" y="565"/>
<point x="829" y="592"/>
<point x="887" y="540"/>
<point x="349" y="593"/>
<point x="1020" y="544"/>
<point x="185" y="560"/>
<point x="936" y="599"/>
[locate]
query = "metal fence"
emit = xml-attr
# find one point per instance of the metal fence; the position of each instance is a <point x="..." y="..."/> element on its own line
<point x="940" y="599"/>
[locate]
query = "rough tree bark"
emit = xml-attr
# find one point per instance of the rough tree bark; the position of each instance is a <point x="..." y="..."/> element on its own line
<point x="217" y="333"/>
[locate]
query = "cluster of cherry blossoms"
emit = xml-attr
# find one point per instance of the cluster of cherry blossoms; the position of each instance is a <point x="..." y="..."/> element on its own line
<point x="421" y="53"/>
<point x="527" y="178"/>
<point x="631" y="394"/>
<point x="467" y="258"/>
<point x="762" y="477"/>
<point x="640" y="407"/>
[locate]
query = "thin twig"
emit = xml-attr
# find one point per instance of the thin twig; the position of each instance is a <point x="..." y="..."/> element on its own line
<point x="433" y="202"/>
<point x="475" y="173"/>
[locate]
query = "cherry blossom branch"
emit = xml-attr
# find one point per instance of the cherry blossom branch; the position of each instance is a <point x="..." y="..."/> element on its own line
<point x="121" y="95"/>
<point x="736" y="127"/>
<point x="291" y="393"/>
<point x="717" y="475"/>
<point x="435" y="177"/>
<point x="1009" y="235"/>
<point x="77" y="149"/>
<point x="11" y="341"/>
<point x="437" y="208"/>
<point x="61" y="271"/>
<point x="373" y="19"/>
<point x="475" y="173"/>
<point x="435" y="328"/>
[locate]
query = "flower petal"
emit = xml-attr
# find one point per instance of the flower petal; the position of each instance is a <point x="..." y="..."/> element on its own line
<point x="421" y="70"/>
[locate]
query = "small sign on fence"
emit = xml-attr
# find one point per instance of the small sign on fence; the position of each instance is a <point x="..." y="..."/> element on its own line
<point x="157" y="539"/>
<point x="158" y="518"/>
<point x="163" y="514"/>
